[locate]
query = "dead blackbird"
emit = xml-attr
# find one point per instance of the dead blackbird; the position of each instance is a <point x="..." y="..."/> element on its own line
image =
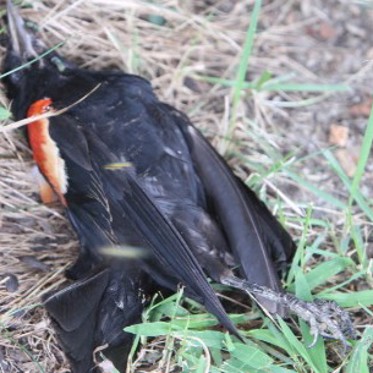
<point x="133" y="171"/>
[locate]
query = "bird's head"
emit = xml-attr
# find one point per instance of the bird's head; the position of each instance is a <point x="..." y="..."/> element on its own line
<point x="32" y="71"/>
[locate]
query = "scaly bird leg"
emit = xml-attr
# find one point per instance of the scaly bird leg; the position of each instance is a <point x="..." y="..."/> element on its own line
<point x="325" y="317"/>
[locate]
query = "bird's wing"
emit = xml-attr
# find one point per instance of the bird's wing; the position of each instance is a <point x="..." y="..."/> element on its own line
<point x="254" y="235"/>
<point x="121" y="188"/>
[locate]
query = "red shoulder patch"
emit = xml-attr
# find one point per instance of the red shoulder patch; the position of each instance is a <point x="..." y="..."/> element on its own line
<point x="45" y="151"/>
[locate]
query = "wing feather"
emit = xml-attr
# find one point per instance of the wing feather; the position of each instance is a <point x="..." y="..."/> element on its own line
<point x="254" y="235"/>
<point x="169" y="247"/>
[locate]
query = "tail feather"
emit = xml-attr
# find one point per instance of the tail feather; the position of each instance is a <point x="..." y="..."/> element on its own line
<point x="74" y="312"/>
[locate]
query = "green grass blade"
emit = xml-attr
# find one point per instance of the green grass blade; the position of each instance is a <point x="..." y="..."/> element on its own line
<point x="210" y="338"/>
<point x="270" y="86"/>
<point x="223" y="82"/>
<point x="153" y="329"/>
<point x="363" y="159"/>
<point x="251" y="355"/>
<point x="357" y="237"/>
<point x="317" y="354"/>
<point x="318" y="192"/>
<point x="298" y="260"/>
<point x="355" y="299"/>
<point x="359" y="361"/>
<point x="275" y="369"/>
<point x="244" y="62"/>
<point x="323" y="272"/>
<point x="298" y="346"/>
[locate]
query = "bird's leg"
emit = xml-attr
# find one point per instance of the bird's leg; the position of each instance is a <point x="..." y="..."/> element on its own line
<point x="325" y="317"/>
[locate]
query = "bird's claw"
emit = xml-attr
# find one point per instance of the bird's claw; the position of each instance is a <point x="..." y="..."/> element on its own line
<point x="326" y="319"/>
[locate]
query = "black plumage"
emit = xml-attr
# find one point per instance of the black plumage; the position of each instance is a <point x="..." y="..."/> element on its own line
<point x="140" y="174"/>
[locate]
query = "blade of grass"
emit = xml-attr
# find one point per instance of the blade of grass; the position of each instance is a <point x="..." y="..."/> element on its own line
<point x="153" y="329"/>
<point x="251" y="355"/>
<point x="342" y="285"/>
<point x="318" y="192"/>
<point x="325" y="271"/>
<point x="274" y="86"/>
<point x="276" y="369"/>
<point x="359" y="361"/>
<point x="224" y="82"/>
<point x="297" y="345"/>
<point x="244" y="62"/>
<point x="352" y="299"/>
<point x="317" y="353"/>
<point x="299" y="257"/>
<point x="357" y="237"/>
<point x="363" y="159"/>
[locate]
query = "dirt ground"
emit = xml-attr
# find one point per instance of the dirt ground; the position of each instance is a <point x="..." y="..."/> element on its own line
<point x="176" y="44"/>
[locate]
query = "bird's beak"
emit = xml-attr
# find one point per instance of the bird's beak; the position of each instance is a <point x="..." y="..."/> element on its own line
<point x="21" y="40"/>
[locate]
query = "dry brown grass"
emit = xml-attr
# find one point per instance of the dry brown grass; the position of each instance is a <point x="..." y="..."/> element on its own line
<point x="197" y="39"/>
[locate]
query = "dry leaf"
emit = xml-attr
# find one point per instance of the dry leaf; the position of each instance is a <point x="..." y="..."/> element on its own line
<point x="338" y="135"/>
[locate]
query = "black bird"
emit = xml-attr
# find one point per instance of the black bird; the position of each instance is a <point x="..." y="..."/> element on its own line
<point x="133" y="171"/>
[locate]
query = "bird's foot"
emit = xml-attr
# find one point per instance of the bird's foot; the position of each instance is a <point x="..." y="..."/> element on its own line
<point x="325" y="318"/>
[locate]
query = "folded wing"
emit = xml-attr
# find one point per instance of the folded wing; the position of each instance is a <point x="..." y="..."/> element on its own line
<point x="257" y="239"/>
